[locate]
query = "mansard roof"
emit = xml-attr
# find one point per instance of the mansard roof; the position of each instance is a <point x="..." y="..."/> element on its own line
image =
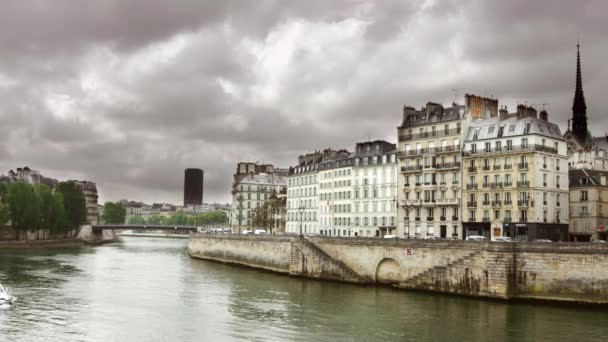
<point x="489" y="128"/>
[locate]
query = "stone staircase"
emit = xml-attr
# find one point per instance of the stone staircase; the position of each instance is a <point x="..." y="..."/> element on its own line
<point x="307" y="259"/>
<point x="441" y="277"/>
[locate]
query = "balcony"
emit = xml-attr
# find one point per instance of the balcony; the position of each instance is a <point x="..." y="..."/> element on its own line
<point x="485" y="185"/>
<point x="441" y="218"/>
<point x="522" y="166"/>
<point x="454" y="218"/>
<point x="448" y="166"/>
<point x="486" y="168"/>
<point x="472" y="169"/>
<point x="496" y="167"/>
<point x="471" y="186"/>
<point x="545" y="184"/>
<point x="485" y="219"/>
<point x="485" y="203"/>
<point x="521" y="203"/>
<point x="418" y="184"/>
<point x="583" y="214"/>
<point x="512" y="149"/>
<point x="544" y="202"/>
<point x="429" y="203"/>
<point x="508" y="166"/>
<point x="523" y="219"/>
<point x="557" y="204"/>
<point x="507" y="184"/>
<point x="414" y="168"/>
<point x="471" y="219"/>
<point x="523" y="184"/>
<point x="544" y="166"/>
<point x="496" y="203"/>
<point x="508" y="202"/>
<point x="472" y="204"/>
<point x="507" y="220"/>
<point x="417" y="219"/>
<point x="447" y="201"/>
<point x="497" y="185"/>
<point x="430" y="218"/>
<point x="557" y="168"/>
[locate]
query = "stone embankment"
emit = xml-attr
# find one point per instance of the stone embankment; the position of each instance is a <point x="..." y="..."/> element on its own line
<point x="558" y="271"/>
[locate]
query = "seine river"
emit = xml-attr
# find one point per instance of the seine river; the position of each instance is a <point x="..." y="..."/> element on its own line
<point x="146" y="289"/>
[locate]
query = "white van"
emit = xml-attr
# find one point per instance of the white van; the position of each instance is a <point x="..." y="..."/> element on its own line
<point x="247" y="232"/>
<point x="259" y="232"/>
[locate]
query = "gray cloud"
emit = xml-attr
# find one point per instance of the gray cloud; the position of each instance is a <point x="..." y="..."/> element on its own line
<point x="129" y="93"/>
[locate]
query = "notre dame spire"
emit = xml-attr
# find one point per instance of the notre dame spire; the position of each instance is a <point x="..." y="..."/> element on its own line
<point x="579" y="108"/>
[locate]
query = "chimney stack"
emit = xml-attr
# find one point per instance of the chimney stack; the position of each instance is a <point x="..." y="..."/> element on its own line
<point x="503" y="113"/>
<point x="543" y="115"/>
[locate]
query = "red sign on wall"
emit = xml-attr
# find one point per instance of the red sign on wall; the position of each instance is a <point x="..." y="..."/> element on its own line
<point x="601" y="228"/>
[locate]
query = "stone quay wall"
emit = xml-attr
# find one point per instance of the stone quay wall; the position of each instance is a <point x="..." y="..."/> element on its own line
<point x="557" y="271"/>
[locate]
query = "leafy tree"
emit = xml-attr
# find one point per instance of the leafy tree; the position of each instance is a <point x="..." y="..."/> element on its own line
<point x="58" y="221"/>
<point x="5" y="214"/>
<point x="74" y="204"/>
<point x="265" y="215"/>
<point x="113" y="213"/>
<point x="45" y="201"/>
<point x="24" y="206"/>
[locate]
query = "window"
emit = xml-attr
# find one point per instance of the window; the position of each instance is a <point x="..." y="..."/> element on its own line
<point x="584" y="195"/>
<point x="473" y="148"/>
<point x="491" y="130"/>
<point x="488" y="147"/>
<point x="501" y="130"/>
<point x="498" y="146"/>
<point x="511" y="128"/>
<point x="524" y="143"/>
<point x="527" y="129"/>
<point x="509" y="145"/>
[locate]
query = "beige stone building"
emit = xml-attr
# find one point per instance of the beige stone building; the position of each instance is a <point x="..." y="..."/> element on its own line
<point x="429" y="168"/>
<point x="515" y="177"/>
<point x="253" y="184"/>
<point x="588" y="205"/>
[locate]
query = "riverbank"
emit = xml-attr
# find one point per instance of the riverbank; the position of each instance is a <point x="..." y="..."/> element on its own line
<point x="561" y="272"/>
<point x="31" y="244"/>
<point x="156" y="235"/>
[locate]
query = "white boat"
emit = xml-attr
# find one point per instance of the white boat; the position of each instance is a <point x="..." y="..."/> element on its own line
<point x="6" y="296"/>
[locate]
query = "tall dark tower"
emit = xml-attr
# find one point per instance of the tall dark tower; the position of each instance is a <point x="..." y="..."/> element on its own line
<point x="193" y="187"/>
<point x="579" y="108"/>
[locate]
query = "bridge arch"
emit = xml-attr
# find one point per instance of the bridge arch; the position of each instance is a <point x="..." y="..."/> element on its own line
<point x="388" y="272"/>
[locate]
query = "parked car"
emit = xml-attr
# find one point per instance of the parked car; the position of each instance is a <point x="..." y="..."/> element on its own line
<point x="388" y="236"/>
<point x="259" y="232"/>
<point x="476" y="238"/>
<point x="543" y="240"/>
<point x="247" y="232"/>
<point x="598" y="241"/>
<point x="430" y="237"/>
<point x="503" y="239"/>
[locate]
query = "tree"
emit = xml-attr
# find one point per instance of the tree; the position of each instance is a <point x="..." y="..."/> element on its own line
<point x="5" y="214"/>
<point x="24" y="206"/>
<point x="45" y="201"/>
<point x="265" y="216"/>
<point x="74" y="204"/>
<point x="58" y="221"/>
<point x="113" y="213"/>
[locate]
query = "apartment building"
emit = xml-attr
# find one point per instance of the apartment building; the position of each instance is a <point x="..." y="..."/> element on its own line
<point x="374" y="189"/>
<point x="588" y="205"/>
<point x="335" y="196"/>
<point x="515" y="173"/>
<point x="252" y="186"/>
<point x="429" y="180"/>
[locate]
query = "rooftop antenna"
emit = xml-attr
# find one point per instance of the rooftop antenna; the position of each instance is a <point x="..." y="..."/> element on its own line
<point x="456" y="94"/>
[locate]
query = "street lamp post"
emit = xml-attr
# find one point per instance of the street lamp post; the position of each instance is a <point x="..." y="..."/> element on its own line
<point x="301" y="210"/>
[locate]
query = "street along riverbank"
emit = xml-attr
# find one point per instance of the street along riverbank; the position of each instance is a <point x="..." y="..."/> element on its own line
<point x="564" y="272"/>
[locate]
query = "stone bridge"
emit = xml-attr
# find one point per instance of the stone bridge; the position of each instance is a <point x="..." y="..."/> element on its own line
<point x="179" y="229"/>
<point x="558" y="271"/>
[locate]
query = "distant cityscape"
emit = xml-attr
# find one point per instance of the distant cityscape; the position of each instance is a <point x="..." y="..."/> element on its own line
<point x="472" y="169"/>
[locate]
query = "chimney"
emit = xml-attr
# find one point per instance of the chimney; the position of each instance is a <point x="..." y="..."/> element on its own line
<point x="503" y="113"/>
<point x="543" y="115"/>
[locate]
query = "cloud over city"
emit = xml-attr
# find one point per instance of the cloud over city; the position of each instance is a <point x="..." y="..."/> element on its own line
<point x="129" y="93"/>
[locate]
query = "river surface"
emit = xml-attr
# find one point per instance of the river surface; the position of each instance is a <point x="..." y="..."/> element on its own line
<point x="147" y="289"/>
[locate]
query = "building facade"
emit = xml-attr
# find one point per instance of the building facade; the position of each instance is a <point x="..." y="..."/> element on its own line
<point x="515" y="177"/>
<point x="588" y="205"/>
<point x="89" y="189"/>
<point x="252" y="186"/>
<point x="429" y="182"/>
<point x="374" y="207"/>
<point x="336" y="196"/>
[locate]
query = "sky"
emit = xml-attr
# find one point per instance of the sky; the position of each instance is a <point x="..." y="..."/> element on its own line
<point x="129" y="93"/>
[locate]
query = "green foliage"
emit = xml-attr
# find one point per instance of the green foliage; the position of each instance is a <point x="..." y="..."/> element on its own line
<point x="113" y="213"/>
<point x="45" y="202"/>
<point x="208" y="218"/>
<point x="74" y="203"/>
<point x="5" y="214"/>
<point x="58" y="220"/>
<point x="24" y="206"/>
<point x="265" y="215"/>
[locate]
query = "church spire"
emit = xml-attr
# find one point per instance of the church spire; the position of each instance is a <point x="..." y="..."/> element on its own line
<point x="579" y="108"/>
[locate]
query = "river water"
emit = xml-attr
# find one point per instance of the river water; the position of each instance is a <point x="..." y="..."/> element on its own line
<point x="147" y="289"/>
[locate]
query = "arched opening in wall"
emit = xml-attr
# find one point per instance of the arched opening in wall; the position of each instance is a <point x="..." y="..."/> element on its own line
<point x="388" y="272"/>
